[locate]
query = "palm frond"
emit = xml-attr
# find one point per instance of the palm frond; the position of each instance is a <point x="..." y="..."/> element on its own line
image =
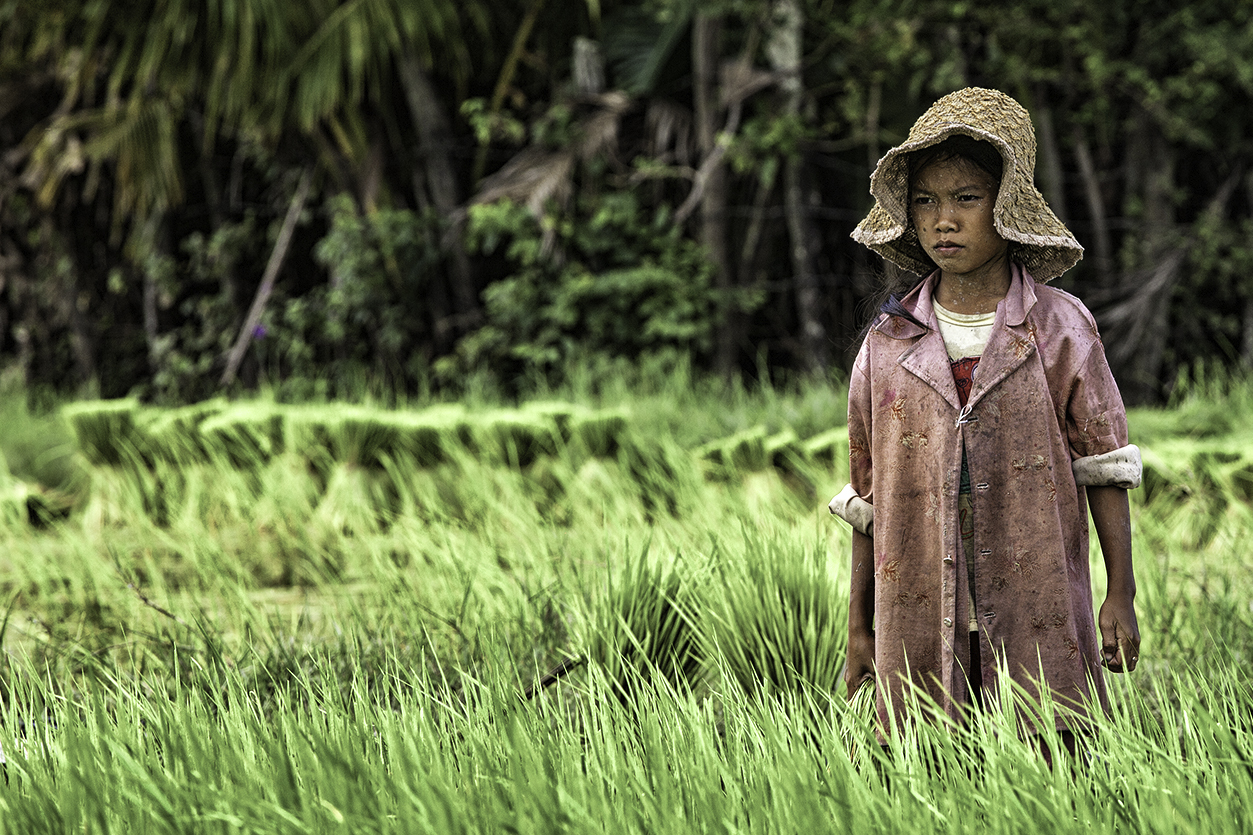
<point x="141" y="140"/>
<point x="638" y="45"/>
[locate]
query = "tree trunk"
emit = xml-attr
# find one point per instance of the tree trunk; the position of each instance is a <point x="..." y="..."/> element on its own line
<point x="1246" y="353"/>
<point x="80" y="336"/>
<point x="1155" y="271"/>
<point x="1103" y="253"/>
<point x="706" y="46"/>
<point x="756" y="222"/>
<point x="1140" y="322"/>
<point x="151" y="242"/>
<point x="1050" y="159"/>
<point x="151" y="327"/>
<point x="65" y="298"/>
<point x="1246" y="343"/>
<point x="277" y="257"/>
<point x="804" y="238"/>
<point x="588" y="67"/>
<point x="435" y="145"/>
<point x="784" y="50"/>
<point x="370" y="180"/>
<point x="4" y="305"/>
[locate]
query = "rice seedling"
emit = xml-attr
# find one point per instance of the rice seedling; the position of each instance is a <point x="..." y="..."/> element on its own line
<point x="514" y="438"/>
<point x="645" y="627"/>
<point x="777" y="624"/>
<point x="244" y="436"/>
<point x="173" y="435"/>
<point x="104" y="430"/>
<point x="744" y="450"/>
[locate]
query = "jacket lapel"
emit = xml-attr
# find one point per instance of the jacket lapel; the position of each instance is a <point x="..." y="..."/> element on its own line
<point x="926" y="359"/>
<point x="1013" y="339"/>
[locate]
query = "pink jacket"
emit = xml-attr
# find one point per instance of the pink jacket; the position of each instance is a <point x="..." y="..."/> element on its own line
<point x="1044" y="407"/>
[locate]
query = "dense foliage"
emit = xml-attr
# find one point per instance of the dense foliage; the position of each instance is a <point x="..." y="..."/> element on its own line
<point x="317" y="193"/>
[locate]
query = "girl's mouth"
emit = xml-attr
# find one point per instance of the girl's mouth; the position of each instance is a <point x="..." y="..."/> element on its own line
<point x="947" y="248"/>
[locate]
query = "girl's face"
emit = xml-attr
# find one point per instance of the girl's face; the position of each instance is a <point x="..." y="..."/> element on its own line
<point x="951" y="207"/>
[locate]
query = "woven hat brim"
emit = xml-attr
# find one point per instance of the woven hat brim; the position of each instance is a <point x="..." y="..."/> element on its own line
<point x="1044" y="246"/>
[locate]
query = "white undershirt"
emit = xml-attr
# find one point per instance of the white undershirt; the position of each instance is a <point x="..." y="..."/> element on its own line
<point x="965" y="334"/>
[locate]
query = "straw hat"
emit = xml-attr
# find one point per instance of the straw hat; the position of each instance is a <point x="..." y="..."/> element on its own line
<point x="1041" y="242"/>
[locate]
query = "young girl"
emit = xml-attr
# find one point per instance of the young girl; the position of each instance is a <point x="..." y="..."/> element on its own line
<point x="983" y="425"/>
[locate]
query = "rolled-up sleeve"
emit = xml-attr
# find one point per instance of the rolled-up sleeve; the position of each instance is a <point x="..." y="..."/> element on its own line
<point x="855" y="503"/>
<point x="853" y="509"/>
<point x="1121" y="467"/>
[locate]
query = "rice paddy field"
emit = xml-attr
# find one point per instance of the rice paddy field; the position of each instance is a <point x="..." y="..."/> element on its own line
<point x="617" y="607"/>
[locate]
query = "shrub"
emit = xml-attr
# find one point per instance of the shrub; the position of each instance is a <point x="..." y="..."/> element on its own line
<point x="609" y="279"/>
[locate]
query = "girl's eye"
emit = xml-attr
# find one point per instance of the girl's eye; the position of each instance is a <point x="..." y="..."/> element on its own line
<point x="967" y="198"/>
<point x="922" y="200"/>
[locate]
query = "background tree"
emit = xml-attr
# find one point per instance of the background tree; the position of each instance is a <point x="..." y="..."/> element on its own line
<point x="503" y="188"/>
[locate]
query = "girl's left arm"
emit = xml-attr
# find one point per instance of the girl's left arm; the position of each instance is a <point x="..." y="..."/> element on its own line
<point x="1120" y="634"/>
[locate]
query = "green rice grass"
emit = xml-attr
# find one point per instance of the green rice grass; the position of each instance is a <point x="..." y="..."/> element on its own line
<point x="483" y="762"/>
<point x="255" y="641"/>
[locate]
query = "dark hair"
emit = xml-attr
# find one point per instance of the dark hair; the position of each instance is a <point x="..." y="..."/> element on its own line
<point x="979" y="153"/>
<point x="895" y="282"/>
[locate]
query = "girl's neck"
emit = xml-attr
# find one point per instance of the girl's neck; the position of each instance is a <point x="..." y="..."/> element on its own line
<point x="974" y="292"/>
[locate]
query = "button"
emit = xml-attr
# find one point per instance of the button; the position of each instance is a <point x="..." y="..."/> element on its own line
<point x="948" y="621"/>
<point x="948" y="560"/>
<point x="983" y="485"/>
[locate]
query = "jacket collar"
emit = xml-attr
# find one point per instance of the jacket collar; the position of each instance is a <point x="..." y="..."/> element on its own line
<point x="1015" y="306"/>
<point x="1021" y="296"/>
<point x="1008" y="346"/>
